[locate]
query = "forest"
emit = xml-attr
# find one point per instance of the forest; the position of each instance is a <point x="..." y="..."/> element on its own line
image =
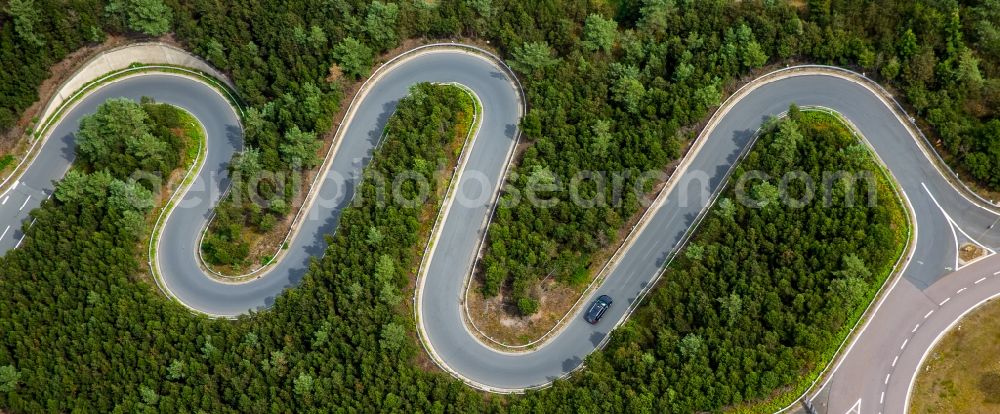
<point x="123" y="137"/>
<point x="765" y="289"/>
<point x="611" y="86"/>
<point x="166" y="359"/>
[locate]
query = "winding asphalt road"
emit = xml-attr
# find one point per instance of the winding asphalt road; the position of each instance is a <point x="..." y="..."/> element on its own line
<point x="940" y="211"/>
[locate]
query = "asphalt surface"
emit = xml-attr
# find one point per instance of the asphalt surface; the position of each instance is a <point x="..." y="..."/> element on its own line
<point x="877" y="372"/>
<point x="929" y="194"/>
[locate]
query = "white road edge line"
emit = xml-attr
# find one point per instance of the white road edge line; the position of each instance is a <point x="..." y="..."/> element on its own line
<point x="12" y="186"/>
<point x="954" y="227"/>
<point x="951" y="224"/>
<point x="902" y="264"/>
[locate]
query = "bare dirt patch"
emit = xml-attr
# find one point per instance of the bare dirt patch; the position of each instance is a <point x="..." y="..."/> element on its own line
<point x="969" y="253"/>
<point x="798" y="4"/>
<point x="962" y="373"/>
<point x="498" y="318"/>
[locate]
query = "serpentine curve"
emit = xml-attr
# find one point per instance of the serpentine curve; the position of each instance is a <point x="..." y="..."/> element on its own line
<point x="441" y="287"/>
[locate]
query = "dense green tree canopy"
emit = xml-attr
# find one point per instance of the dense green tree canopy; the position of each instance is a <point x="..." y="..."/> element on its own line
<point x="599" y="33"/>
<point x="299" y="148"/>
<point x="9" y="378"/>
<point x="532" y="57"/>
<point x="26" y="17"/>
<point x="353" y="57"/>
<point x="151" y="17"/>
<point x="122" y="137"/>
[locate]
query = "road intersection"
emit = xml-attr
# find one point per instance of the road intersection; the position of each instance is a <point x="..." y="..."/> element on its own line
<point x="873" y="374"/>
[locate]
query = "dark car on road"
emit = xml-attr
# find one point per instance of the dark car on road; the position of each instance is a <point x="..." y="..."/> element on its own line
<point x="597" y="309"/>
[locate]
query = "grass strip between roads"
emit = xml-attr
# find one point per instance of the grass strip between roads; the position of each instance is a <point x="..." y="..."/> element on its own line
<point x="962" y="373"/>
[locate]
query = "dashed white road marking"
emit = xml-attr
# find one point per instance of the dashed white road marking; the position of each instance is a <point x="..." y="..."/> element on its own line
<point x="894" y="361"/>
<point x="887" y="378"/>
<point x="915" y="328"/>
<point x="881" y="399"/>
<point x="904" y="344"/>
<point x="928" y="314"/>
<point x="4" y="200"/>
<point x="960" y="291"/>
<point x="980" y="281"/>
<point x="24" y="203"/>
<point x="996" y="273"/>
<point x="4" y="232"/>
<point x="944" y="301"/>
